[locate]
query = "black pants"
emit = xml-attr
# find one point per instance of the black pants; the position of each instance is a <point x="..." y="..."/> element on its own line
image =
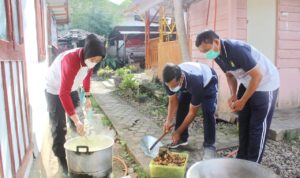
<point x="57" y="117"/>
<point x="254" y="123"/>
<point x="208" y="104"/>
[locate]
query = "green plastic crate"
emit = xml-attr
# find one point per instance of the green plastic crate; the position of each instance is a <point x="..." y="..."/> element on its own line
<point x="160" y="171"/>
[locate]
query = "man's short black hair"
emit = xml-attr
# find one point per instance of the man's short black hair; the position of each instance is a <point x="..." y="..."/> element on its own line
<point x="207" y="36"/>
<point x="170" y="72"/>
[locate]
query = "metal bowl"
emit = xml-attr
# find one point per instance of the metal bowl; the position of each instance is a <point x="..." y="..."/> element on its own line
<point x="147" y="142"/>
<point x="229" y="168"/>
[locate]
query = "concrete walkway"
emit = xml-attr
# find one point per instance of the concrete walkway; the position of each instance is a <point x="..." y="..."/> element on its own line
<point x="132" y="126"/>
<point x="285" y="121"/>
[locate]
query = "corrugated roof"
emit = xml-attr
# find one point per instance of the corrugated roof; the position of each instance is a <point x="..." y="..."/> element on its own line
<point x="60" y="10"/>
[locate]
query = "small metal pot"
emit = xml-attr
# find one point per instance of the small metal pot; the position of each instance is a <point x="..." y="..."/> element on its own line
<point x="90" y="156"/>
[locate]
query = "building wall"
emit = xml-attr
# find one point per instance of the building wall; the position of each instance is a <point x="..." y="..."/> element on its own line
<point x="36" y="71"/>
<point x="15" y="120"/>
<point x="259" y="28"/>
<point x="232" y="16"/>
<point x="15" y="142"/>
<point x="288" y="52"/>
<point x="230" y="23"/>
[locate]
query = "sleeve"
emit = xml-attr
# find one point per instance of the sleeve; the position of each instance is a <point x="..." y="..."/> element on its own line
<point x="87" y="81"/>
<point x="197" y="91"/>
<point x="69" y="70"/>
<point x="242" y="57"/>
<point x="168" y="91"/>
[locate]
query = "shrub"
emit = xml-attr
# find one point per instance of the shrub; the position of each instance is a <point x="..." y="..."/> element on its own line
<point x="105" y="73"/>
<point x="112" y="62"/>
<point x="129" y="86"/>
<point x="121" y="72"/>
<point x="133" y="68"/>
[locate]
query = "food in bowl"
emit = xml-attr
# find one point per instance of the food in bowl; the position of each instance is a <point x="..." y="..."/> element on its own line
<point x="167" y="158"/>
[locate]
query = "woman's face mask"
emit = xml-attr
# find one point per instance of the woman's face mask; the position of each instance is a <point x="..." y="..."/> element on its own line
<point x="90" y="64"/>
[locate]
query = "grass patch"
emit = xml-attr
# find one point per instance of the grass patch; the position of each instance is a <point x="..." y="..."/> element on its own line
<point x="140" y="172"/>
<point x="94" y="102"/>
<point x="129" y="158"/>
<point x="106" y="122"/>
<point x="291" y="137"/>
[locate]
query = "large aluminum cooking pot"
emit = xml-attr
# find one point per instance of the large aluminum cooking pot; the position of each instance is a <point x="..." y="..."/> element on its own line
<point x="229" y="168"/>
<point x="89" y="156"/>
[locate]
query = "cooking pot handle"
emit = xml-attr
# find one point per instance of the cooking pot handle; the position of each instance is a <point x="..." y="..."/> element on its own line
<point x="82" y="147"/>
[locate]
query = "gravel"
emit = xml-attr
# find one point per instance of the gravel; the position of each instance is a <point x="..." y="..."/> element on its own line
<point x="283" y="158"/>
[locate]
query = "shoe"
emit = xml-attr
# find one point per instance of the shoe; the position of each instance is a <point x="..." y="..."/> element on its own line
<point x="180" y="143"/>
<point x="63" y="162"/>
<point x="209" y="153"/>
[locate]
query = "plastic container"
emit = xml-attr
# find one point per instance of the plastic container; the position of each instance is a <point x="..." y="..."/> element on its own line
<point x="161" y="171"/>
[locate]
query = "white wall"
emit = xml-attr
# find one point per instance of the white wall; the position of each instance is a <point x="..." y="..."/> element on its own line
<point x="35" y="72"/>
<point x="261" y="27"/>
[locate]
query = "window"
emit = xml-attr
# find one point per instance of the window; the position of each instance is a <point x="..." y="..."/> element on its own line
<point x="3" y="22"/>
<point x="15" y="21"/>
<point x="11" y="32"/>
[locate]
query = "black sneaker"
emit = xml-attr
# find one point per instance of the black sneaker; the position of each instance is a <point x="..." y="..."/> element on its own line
<point x="180" y="143"/>
<point x="63" y="162"/>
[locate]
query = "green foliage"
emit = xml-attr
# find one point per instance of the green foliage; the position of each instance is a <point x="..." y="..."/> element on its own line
<point x="105" y="73"/>
<point x="164" y="100"/>
<point x="94" y="102"/>
<point x="140" y="172"/>
<point x="106" y="122"/>
<point x="133" y="68"/>
<point x="97" y="16"/>
<point x="121" y="72"/>
<point x="129" y="86"/>
<point x="123" y="143"/>
<point x="111" y="62"/>
<point x="291" y="136"/>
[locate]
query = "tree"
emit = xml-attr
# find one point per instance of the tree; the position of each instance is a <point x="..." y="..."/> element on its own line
<point x="97" y="16"/>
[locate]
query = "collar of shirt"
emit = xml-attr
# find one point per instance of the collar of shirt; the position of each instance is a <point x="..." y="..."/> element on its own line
<point x="184" y="83"/>
<point x="224" y="60"/>
<point x="223" y="50"/>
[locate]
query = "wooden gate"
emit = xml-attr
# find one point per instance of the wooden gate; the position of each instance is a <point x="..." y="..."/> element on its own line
<point x="153" y="59"/>
<point x="168" y="52"/>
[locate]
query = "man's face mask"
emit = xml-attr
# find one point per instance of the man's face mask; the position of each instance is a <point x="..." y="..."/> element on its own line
<point x="177" y="88"/>
<point x="90" y="64"/>
<point x="211" y="54"/>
